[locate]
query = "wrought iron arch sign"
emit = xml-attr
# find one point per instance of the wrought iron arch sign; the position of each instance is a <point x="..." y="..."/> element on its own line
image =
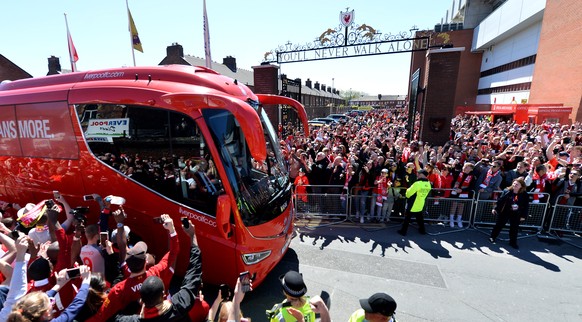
<point x="349" y="40"/>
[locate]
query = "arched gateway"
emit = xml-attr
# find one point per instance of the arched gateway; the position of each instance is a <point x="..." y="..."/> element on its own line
<point x="349" y="39"/>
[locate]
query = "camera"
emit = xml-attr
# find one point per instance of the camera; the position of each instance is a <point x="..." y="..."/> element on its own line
<point x="79" y="213"/>
<point x="49" y="204"/>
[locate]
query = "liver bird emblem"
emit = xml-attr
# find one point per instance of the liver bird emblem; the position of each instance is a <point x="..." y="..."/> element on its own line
<point x="323" y="38"/>
<point x="367" y="31"/>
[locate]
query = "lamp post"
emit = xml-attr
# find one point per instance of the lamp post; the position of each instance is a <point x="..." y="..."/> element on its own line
<point x="332" y="99"/>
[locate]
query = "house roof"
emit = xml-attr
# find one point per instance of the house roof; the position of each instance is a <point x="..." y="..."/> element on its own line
<point x="243" y="76"/>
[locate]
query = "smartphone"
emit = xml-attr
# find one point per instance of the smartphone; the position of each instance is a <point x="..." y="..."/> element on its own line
<point x="88" y="197"/>
<point x="185" y="222"/>
<point x="245" y="281"/>
<point x="158" y="220"/>
<point x="56" y="194"/>
<point x="73" y="273"/>
<point x="103" y="237"/>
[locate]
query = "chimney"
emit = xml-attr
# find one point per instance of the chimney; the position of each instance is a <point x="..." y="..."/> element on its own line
<point x="329" y="89"/>
<point x="308" y="83"/>
<point x="175" y="51"/>
<point x="230" y="62"/>
<point x="54" y="66"/>
<point x="316" y="86"/>
<point x="323" y="87"/>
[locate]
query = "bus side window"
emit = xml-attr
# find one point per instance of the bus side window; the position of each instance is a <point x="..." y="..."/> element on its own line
<point x="162" y="150"/>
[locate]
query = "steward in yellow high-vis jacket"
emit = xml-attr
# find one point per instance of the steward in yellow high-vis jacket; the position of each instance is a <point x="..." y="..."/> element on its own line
<point x="416" y="195"/>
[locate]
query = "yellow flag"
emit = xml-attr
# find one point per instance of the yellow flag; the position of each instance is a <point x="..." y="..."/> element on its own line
<point x="134" y="34"/>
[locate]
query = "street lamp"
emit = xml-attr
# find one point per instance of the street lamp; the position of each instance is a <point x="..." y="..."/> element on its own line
<point x="332" y="98"/>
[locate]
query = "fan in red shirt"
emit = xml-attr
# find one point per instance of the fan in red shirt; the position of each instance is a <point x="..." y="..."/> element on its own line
<point x="127" y="291"/>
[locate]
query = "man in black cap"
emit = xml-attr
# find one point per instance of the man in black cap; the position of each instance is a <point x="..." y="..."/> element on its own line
<point x="379" y="307"/>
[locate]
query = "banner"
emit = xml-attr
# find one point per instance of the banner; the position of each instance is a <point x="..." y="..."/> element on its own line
<point x="108" y="128"/>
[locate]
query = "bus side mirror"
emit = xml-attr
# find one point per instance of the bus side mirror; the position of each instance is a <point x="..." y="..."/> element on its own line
<point x="223" y="216"/>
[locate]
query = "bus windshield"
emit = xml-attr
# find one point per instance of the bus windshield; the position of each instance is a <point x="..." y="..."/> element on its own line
<point x="262" y="189"/>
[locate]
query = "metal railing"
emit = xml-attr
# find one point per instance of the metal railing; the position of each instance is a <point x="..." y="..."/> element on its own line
<point x="534" y="221"/>
<point x="320" y="202"/>
<point x="566" y="222"/>
<point x="324" y="205"/>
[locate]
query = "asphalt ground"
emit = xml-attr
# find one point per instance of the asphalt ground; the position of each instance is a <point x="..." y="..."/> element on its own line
<point x="456" y="276"/>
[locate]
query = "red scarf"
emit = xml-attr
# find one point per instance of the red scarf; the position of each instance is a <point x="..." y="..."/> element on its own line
<point x="463" y="180"/>
<point x="489" y="176"/>
<point x="382" y="189"/>
<point x="348" y="175"/>
<point x="540" y="184"/>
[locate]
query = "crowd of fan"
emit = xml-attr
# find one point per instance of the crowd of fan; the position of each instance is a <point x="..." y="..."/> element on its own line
<point x="369" y="155"/>
<point x="75" y="271"/>
<point x="83" y="270"/>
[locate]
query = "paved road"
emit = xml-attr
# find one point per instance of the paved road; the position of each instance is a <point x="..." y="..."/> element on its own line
<point x="449" y="277"/>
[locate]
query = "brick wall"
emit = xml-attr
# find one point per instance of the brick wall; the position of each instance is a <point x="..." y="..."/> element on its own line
<point x="266" y="82"/>
<point x="558" y="70"/>
<point x="439" y="101"/>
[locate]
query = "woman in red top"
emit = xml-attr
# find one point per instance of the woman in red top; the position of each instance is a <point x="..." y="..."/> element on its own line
<point x="301" y="183"/>
<point x="461" y="189"/>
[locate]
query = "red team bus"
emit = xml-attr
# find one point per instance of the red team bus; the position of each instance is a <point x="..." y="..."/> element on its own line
<point x="227" y="174"/>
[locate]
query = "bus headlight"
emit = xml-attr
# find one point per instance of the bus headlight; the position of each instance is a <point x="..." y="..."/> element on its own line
<point x="254" y="258"/>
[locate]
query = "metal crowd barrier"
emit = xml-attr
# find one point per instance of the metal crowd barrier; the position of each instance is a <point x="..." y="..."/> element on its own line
<point x="534" y="221"/>
<point x="442" y="202"/>
<point x="566" y="222"/>
<point x="324" y="205"/>
<point x="364" y="206"/>
<point x="320" y="202"/>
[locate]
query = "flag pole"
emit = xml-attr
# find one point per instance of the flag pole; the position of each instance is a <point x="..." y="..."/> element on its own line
<point x="207" y="55"/>
<point x="70" y="42"/>
<point x="130" y="35"/>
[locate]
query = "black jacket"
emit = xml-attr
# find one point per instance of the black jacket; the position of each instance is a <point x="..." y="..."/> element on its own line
<point x="508" y="198"/>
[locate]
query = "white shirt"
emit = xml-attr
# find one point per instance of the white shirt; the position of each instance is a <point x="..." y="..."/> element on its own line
<point x="91" y="256"/>
<point x="39" y="236"/>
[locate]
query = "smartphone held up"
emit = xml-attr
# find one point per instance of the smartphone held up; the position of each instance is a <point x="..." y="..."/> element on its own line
<point x="245" y="281"/>
<point x="73" y="273"/>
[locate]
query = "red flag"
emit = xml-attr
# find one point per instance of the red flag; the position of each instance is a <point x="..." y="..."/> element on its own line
<point x="73" y="56"/>
<point x="72" y="49"/>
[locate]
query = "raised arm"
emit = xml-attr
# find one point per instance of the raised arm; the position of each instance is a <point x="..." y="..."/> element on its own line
<point x="69" y="221"/>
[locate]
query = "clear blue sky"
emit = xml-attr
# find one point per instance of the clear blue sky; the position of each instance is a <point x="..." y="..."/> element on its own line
<point x="34" y="30"/>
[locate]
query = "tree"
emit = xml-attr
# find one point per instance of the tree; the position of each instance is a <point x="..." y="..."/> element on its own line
<point x="350" y="95"/>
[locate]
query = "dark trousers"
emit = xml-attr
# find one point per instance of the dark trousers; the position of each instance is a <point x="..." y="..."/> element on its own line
<point x="502" y="219"/>
<point x="419" y="219"/>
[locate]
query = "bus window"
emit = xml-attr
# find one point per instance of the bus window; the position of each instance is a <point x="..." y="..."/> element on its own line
<point x="160" y="149"/>
<point x="262" y="190"/>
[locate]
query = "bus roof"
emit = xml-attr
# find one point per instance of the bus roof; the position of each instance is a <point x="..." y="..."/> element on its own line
<point x="193" y="75"/>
